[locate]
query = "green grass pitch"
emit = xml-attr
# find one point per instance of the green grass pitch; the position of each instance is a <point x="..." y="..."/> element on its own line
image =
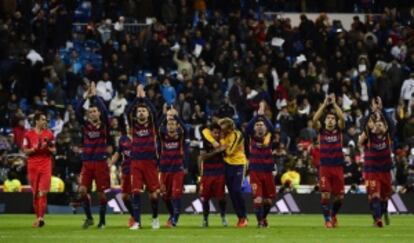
<point x="283" y="228"/>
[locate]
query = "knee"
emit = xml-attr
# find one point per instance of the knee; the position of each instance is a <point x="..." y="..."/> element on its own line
<point x="102" y="196"/>
<point x="326" y="195"/>
<point x="154" y="195"/>
<point x="375" y="196"/>
<point x="267" y="201"/>
<point x="83" y="191"/>
<point x="339" y="197"/>
<point x="125" y="197"/>
<point x="258" y="200"/>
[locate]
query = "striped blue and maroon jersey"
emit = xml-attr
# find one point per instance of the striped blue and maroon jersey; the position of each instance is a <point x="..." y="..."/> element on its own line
<point x="331" y="148"/>
<point x="213" y="166"/>
<point x="260" y="155"/>
<point x="144" y="136"/>
<point x="377" y="154"/>
<point x="173" y="150"/>
<point x="124" y="149"/>
<point x="172" y="153"/>
<point x="94" y="138"/>
<point x="143" y="143"/>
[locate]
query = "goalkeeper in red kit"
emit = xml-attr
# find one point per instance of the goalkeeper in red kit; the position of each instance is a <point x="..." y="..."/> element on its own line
<point x="38" y="145"/>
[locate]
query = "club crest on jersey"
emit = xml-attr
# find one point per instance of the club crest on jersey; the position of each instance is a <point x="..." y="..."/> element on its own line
<point x="143" y="133"/>
<point x="94" y="134"/>
<point x="171" y="145"/>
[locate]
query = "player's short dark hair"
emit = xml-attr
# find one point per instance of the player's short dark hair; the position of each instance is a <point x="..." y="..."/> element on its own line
<point x="93" y="105"/>
<point x="38" y="115"/>
<point x="214" y="126"/>
<point x="331" y="113"/>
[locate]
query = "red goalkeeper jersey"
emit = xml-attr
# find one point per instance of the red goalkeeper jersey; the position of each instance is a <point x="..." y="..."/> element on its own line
<point x="40" y="143"/>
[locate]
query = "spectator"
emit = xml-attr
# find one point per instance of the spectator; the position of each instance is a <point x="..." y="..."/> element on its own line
<point x="168" y="92"/>
<point x="12" y="184"/>
<point x="118" y="104"/>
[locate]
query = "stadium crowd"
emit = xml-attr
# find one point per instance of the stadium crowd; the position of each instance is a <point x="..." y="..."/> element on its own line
<point x="208" y="59"/>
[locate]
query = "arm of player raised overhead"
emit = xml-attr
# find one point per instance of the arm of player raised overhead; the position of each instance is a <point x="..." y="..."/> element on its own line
<point x="79" y="111"/>
<point x="318" y="114"/>
<point x="98" y="101"/>
<point x="250" y="125"/>
<point x="341" y="116"/>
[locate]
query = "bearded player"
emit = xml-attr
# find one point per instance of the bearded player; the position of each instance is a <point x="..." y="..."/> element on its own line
<point x="94" y="154"/>
<point x="141" y="115"/>
<point x="376" y="144"/>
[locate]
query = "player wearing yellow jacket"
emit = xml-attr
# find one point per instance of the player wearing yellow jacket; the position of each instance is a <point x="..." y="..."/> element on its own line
<point x="232" y="142"/>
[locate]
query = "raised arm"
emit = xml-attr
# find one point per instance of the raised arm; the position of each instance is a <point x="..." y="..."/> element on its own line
<point x="79" y="111"/>
<point x="141" y="98"/>
<point x="98" y="101"/>
<point x="318" y="114"/>
<point x="341" y="116"/>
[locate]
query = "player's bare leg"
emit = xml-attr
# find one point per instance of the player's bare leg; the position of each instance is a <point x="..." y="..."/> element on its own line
<point x="337" y="204"/>
<point x="326" y="208"/>
<point x="154" y="206"/>
<point x="86" y="203"/>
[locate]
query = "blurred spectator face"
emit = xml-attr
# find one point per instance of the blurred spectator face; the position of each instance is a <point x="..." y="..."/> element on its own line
<point x="105" y="76"/>
<point x="142" y="114"/>
<point x="172" y="126"/>
<point x="94" y="114"/>
<point x="260" y="129"/>
<point x="200" y="81"/>
<point x="330" y="121"/>
<point x="114" y="123"/>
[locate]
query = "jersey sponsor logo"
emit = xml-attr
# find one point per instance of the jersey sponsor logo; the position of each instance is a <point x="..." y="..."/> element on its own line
<point x="171" y="145"/>
<point x="331" y="139"/>
<point x="94" y="134"/>
<point x="379" y="146"/>
<point x="143" y="133"/>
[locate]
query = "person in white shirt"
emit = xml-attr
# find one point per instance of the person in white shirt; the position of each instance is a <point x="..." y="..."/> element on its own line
<point x="118" y="104"/>
<point x="104" y="88"/>
<point x="407" y="89"/>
